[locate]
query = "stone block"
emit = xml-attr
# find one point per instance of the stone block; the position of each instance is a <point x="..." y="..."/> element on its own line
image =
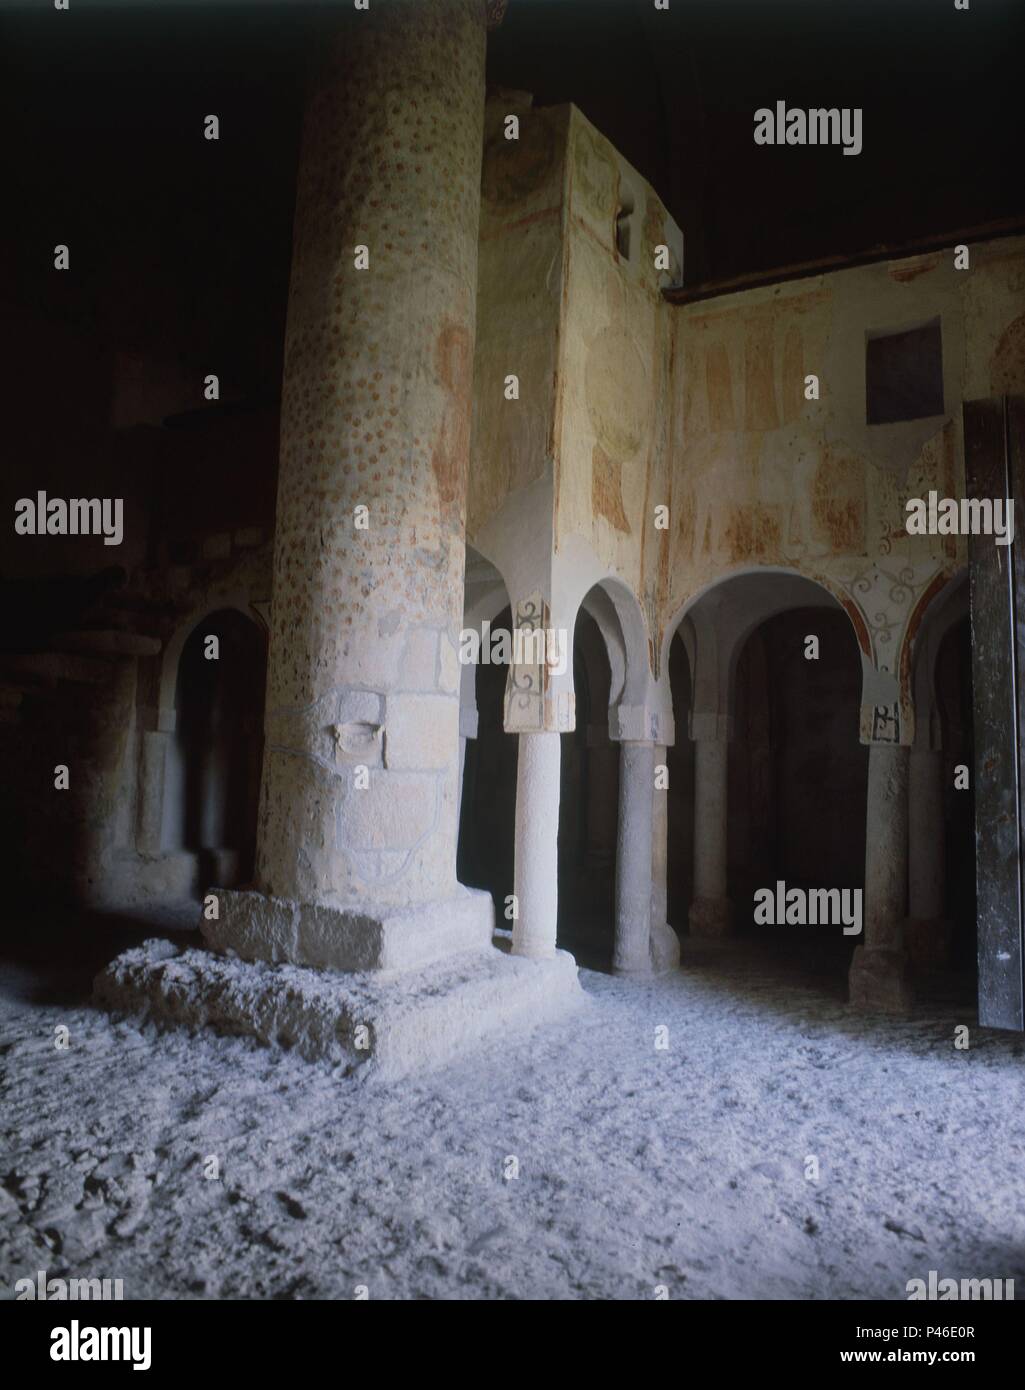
<point x="420" y="659"/>
<point x="394" y="812"/>
<point x="421" y="732"/>
<point x="331" y="937"/>
<point x="381" y="1028"/>
<point x="299" y="831"/>
<point x="449" y="669"/>
<point x="254" y="926"/>
<point x="334" y="940"/>
<point x="357" y="733"/>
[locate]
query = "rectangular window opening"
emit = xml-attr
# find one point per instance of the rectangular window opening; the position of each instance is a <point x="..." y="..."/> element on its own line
<point x="904" y="374"/>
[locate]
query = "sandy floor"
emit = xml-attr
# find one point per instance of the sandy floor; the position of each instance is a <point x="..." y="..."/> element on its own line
<point x="638" y="1167"/>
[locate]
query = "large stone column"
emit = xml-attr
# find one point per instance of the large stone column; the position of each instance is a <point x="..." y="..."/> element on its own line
<point x="632" y="946"/>
<point x="928" y="934"/>
<point x="710" y="912"/>
<point x="357" y="835"/>
<point x="536" y="883"/>
<point x="878" y="976"/>
<point x="359" y="802"/>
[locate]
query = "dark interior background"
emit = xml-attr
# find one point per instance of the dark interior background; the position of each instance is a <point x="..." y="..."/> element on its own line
<point x="181" y="246"/>
<point x="798" y="773"/>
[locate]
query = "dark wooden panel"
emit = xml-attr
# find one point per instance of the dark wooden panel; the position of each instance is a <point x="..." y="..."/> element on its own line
<point x="1014" y="437"/>
<point x="998" y="647"/>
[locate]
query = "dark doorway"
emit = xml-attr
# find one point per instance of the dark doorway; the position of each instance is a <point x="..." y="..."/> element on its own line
<point x="487" y="817"/>
<point x="589" y="807"/>
<point x="797" y="772"/>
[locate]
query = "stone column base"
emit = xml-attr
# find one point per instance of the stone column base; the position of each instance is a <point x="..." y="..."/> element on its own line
<point x="928" y="942"/>
<point x="277" y="930"/>
<point x="380" y="1027"/>
<point x="711" y="917"/>
<point x="628" y="972"/>
<point x="879" y="981"/>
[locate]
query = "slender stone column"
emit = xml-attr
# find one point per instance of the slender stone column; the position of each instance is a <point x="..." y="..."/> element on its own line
<point x="928" y="935"/>
<point x="710" y="912"/>
<point x="358" y="807"/>
<point x="150" y="806"/>
<point x="538" y="772"/>
<point x="631" y="951"/>
<point x="665" y="944"/>
<point x="878" y="977"/>
<point x="660" y="846"/>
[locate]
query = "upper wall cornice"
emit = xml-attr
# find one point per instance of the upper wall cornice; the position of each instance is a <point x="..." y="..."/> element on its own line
<point x="715" y="289"/>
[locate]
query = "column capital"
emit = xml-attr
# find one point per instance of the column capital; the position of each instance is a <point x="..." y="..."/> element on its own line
<point x="639" y="724"/>
<point x="532" y="705"/>
<point x="887" y="724"/>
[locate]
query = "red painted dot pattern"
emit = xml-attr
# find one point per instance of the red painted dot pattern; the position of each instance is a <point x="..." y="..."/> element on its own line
<point x="376" y="397"/>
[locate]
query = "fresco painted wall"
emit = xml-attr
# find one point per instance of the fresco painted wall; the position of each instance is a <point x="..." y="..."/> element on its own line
<point x="629" y="402"/>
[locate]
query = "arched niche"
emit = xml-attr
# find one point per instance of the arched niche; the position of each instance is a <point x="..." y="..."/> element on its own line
<point x="215" y="752"/>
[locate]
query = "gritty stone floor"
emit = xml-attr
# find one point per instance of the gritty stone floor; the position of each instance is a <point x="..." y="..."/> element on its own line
<point x="638" y="1167"/>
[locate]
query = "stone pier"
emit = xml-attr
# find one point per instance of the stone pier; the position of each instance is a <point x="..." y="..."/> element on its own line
<point x="632" y="947"/>
<point x="878" y="975"/>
